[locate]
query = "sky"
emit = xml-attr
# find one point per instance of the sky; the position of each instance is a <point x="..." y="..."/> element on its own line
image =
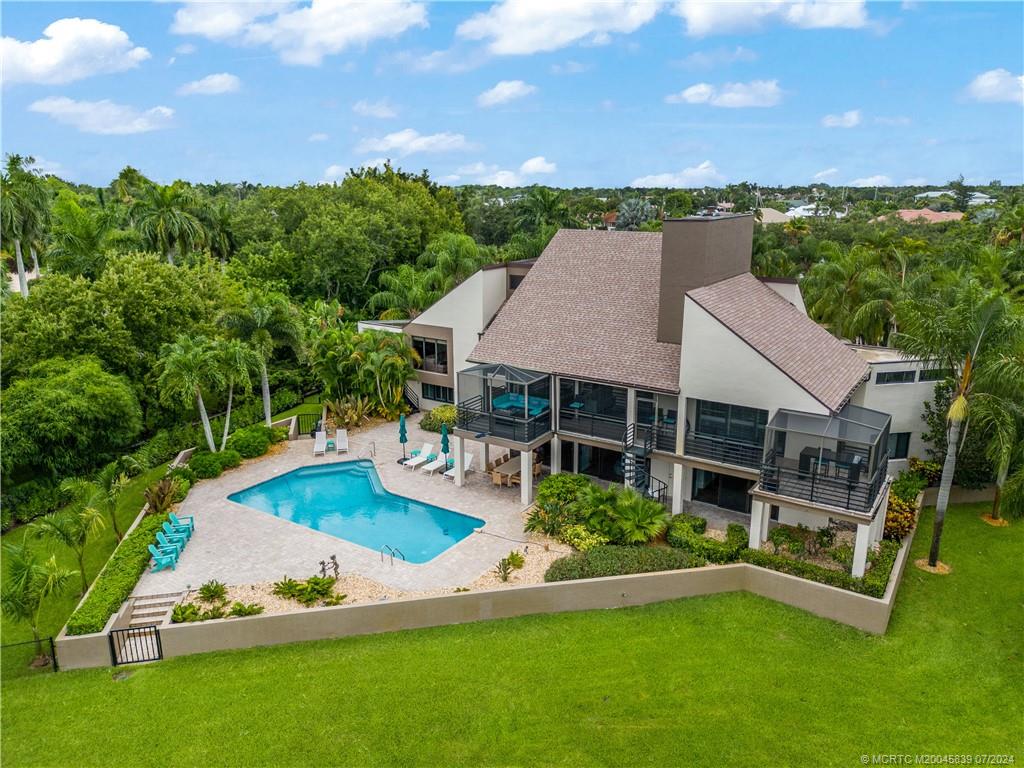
<point x="558" y="92"/>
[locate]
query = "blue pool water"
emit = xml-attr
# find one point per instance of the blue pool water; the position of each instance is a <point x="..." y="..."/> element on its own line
<point x="347" y="500"/>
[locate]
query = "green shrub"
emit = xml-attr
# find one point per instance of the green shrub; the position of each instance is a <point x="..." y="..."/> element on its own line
<point x="251" y="442"/>
<point x="443" y="414"/>
<point x="515" y="559"/>
<point x="278" y="434"/>
<point x="556" y="508"/>
<point x="185" y="612"/>
<point x="26" y="501"/>
<point x="160" y="495"/>
<point x="579" y="537"/>
<point x="181" y="489"/>
<point x="229" y="459"/>
<point x="308" y="592"/>
<point x="907" y="485"/>
<point x="245" y="609"/>
<point x="561" y="489"/>
<point x="873" y="583"/>
<point x="185" y="473"/>
<point x="503" y="569"/>
<point x="843" y="554"/>
<point x="117" y="579"/>
<point x="213" y="591"/>
<point x="205" y="465"/>
<point x="681" y="535"/>
<point x="695" y="523"/>
<point x="611" y="560"/>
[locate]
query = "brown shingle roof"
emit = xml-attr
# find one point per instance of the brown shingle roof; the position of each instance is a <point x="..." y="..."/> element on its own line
<point x="817" y="361"/>
<point x="588" y="308"/>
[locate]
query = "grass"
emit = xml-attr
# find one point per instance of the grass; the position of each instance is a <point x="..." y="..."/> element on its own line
<point x="720" y="680"/>
<point x="56" y="611"/>
<point x="311" y="404"/>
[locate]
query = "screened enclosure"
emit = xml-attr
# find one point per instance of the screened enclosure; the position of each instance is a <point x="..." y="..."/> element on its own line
<point x="503" y="401"/>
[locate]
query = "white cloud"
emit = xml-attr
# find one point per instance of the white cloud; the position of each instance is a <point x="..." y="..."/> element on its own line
<point x="879" y="180"/>
<point x="828" y="173"/>
<point x="699" y="176"/>
<point x="334" y="172"/>
<point x="478" y="168"/>
<point x="528" y="26"/>
<point x="849" y="119"/>
<point x="103" y="117"/>
<point x="719" y="58"/>
<point x="70" y="49"/>
<point x="379" y="109"/>
<point x="756" y="93"/>
<point x="318" y="137"/>
<point x="915" y="181"/>
<point x="997" y="85"/>
<point x="44" y="166"/>
<point x="895" y="121"/>
<point x="409" y="141"/>
<point x="211" y="85"/>
<point x="537" y="165"/>
<point x="185" y="49"/>
<point x="300" y="34"/>
<point x="452" y="61"/>
<point x="502" y="179"/>
<point x="504" y="92"/>
<point x="569" y="68"/>
<point x="705" y="18"/>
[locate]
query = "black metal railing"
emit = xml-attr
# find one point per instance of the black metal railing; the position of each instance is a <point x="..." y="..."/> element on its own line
<point x="135" y="644"/>
<point x="723" y="450"/>
<point x="472" y="416"/>
<point x="308" y="423"/>
<point x="636" y="475"/>
<point x="591" y="424"/>
<point x="813" y="485"/>
<point x="27" y="657"/>
<point x="664" y="437"/>
<point x="411" y="398"/>
<point x="638" y="440"/>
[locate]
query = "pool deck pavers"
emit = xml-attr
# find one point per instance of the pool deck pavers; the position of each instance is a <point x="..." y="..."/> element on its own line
<point x="239" y="545"/>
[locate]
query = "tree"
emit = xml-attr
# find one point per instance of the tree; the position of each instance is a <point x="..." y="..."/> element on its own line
<point x="265" y="321"/>
<point x="186" y="366"/>
<point x="1002" y="420"/>
<point x="450" y="259"/>
<point x="101" y="492"/>
<point x="79" y="237"/>
<point x="72" y="526"/>
<point x="236" y="360"/>
<point x="543" y="207"/>
<point x="384" y="364"/>
<point x="217" y="222"/>
<point x="633" y="213"/>
<point x="30" y="581"/>
<point x="24" y="207"/>
<point x="961" y="194"/>
<point x="166" y="218"/>
<point x="971" y="332"/>
<point x="405" y="292"/>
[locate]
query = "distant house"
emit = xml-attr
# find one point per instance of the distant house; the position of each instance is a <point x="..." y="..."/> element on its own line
<point x="771" y="216"/>
<point x="923" y="215"/>
<point x="812" y="210"/>
<point x="609" y="219"/>
<point x="934" y="195"/>
<point x="976" y="198"/>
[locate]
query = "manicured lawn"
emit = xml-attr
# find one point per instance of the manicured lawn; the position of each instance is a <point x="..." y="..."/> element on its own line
<point x="311" y="404"/>
<point x="56" y="611"/>
<point x="723" y="680"/>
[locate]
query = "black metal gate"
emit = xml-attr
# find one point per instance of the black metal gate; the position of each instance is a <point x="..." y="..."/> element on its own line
<point x="135" y="644"/>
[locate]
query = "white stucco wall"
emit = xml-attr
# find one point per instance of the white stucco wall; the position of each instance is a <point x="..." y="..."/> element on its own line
<point x="790" y="292"/>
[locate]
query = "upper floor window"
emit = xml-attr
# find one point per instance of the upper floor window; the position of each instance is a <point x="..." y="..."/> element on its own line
<point x="736" y="422"/>
<point x="433" y="354"/>
<point x="899" y="443"/>
<point x="934" y="374"/>
<point x="895" y="377"/>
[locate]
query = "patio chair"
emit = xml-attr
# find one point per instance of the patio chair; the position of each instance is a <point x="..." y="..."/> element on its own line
<point x="188" y="522"/>
<point x="320" y="444"/>
<point x="435" y="465"/>
<point x="178" y="529"/>
<point x="450" y="474"/>
<point x="515" y="479"/>
<point x="341" y="440"/>
<point x="162" y="559"/>
<point x="172" y="535"/>
<point x="421" y="456"/>
<point x="168" y="545"/>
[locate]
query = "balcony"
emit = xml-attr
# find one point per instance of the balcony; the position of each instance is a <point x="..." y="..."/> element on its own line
<point x="723" y="450"/>
<point x="580" y="422"/>
<point x="502" y="401"/>
<point x="473" y="417"/>
<point x="837" y="461"/>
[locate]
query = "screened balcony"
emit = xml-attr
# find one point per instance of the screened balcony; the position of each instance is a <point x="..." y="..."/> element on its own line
<point x="591" y="409"/>
<point x="502" y="401"/>
<point x="726" y="433"/>
<point x="835" y="461"/>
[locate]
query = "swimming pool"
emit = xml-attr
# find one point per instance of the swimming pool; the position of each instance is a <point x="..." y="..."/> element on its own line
<point x="347" y="500"/>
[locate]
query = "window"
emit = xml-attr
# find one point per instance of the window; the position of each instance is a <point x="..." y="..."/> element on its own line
<point x="736" y="422"/>
<point x="514" y="281"/>
<point x="899" y="443"/>
<point x="433" y="354"/>
<point x="438" y="393"/>
<point x="895" y="377"/>
<point x="934" y="374"/>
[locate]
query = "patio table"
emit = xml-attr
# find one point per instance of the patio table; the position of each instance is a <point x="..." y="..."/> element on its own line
<point x="510" y="467"/>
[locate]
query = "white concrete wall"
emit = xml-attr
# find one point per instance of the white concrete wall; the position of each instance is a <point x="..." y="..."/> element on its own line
<point x="718" y="365"/>
<point x="790" y="292"/>
<point x="904" y="402"/>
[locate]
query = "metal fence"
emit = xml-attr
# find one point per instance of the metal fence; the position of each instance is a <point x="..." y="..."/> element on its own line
<point x="27" y="658"/>
<point x="135" y="644"/>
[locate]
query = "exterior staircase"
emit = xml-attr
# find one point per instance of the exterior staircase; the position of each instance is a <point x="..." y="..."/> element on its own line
<point x="637" y="444"/>
<point x="154" y="609"/>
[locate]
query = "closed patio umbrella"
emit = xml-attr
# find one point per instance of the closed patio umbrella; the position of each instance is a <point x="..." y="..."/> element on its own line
<point x="403" y="437"/>
<point x="444" y="441"/>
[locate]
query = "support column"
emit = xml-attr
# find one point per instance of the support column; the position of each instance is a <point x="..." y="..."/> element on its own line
<point x="860" y="550"/>
<point x="556" y="455"/>
<point x="677" y="488"/>
<point x="878" y="524"/>
<point x="526" y="478"/>
<point x="575" y="458"/>
<point x="758" y="521"/>
<point x="460" y="462"/>
<point x="487" y="456"/>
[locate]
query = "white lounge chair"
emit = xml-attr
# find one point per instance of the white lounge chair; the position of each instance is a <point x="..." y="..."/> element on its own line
<point x="450" y="474"/>
<point x="341" y="440"/>
<point x="320" y="444"/>
<point x="420" y="458"/>
<point x="439" y="463"/>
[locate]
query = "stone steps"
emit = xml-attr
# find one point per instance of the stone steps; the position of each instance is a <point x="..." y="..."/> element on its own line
<point x="148" y="610"/>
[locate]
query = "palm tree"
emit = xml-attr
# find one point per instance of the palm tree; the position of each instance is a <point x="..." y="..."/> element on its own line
<point x="129" y="184"/>
<point x="236" y="360"/>
<point x="385" y="363"/>
<point x="638" y="519"/>
<point x="543" y="207"/>
<point x="404" y="293"/>
<point x="166" y="218"/>
<point x="835" y="286"/>
<point x="185" y="367"/>
<point x="24" y="209"/>
<point x="634" y="212"/>
<point x="217" y="221"/>
<point x="30" y="581"/>
<point x="79" y="237"/>
<point x="976" y="334"/>
<point x="101" y="492"/>
<point x="72" y="527"/>
<point x="449" y="259"/>
<point x="1002" y="419"/>
<point x="264" y="322"/>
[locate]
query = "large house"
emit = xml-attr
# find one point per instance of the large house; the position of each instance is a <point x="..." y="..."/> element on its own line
<point x="659" y="361"/>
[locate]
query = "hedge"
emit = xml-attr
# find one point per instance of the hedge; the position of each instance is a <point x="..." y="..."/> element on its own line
<point x="443" y="414"/>
<point x="117" y="579"/>
<point x="252" y="441"/>
<point x="611" y="560"/>
<point x="873" y="583"/>
<point x="684" y="533"/>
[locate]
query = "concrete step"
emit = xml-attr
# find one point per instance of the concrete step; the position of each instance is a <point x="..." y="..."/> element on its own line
<point x="147" y="614"/>
<point x="145" y="623"/>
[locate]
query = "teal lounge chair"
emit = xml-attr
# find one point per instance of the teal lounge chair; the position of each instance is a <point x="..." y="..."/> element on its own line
<point x="166" y="544"/>
<point x="180" y="529"/>
<point x="188" y="522"/>
<point x="162" y="559"/>
<point x="173" y="535"/>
